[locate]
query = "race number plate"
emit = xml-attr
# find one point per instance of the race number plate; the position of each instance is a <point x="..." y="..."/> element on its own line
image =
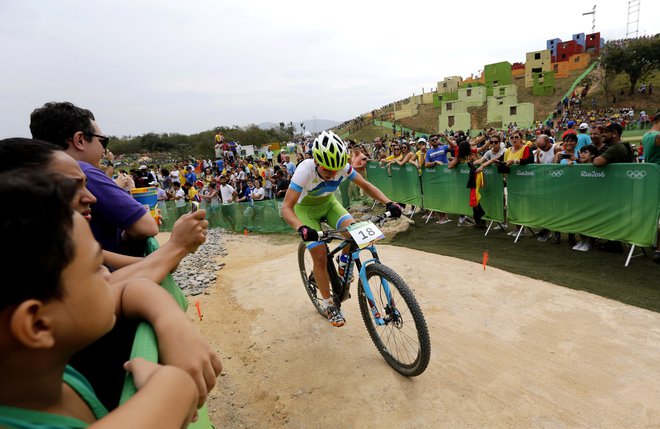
<point x="365" y="233"/>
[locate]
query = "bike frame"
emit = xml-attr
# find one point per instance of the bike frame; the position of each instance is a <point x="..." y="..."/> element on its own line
<point x="341" y="287"/>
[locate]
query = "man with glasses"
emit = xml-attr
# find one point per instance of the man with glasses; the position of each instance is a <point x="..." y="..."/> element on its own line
<point x="75" y="131"/>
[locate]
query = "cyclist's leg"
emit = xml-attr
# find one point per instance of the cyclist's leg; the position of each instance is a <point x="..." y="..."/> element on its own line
<point x="338" y="217"/>
<point x="311" y="216"/>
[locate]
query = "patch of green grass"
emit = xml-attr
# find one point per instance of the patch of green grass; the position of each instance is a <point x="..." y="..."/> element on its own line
<point x="596" y="271"/>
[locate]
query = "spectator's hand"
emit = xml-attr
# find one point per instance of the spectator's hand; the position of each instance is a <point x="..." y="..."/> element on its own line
<point x="141" y="370"/>
<point x="394" y="209"/>
<point x="308" y="234"/>
<point x="180" y="344"/>
<point x="480" y="169"/>
<point x="189" y="231"/>
<point x="109" y="155"/>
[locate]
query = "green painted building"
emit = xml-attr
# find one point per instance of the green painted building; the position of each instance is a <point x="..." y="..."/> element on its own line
<point x="544" y="84"/>
<point x="497" y="74"/>
<point x="439" y="98"/>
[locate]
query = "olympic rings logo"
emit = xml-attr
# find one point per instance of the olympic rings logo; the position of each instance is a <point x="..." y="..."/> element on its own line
<point x="636" y="174"/>
<point x="557" y="173"/>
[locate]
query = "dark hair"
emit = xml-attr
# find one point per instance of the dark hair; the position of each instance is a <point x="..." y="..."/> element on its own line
<point x="41" y="242"/>
<point x="464" y="149"/>
<point x="56" y="122"/>
<point x="593" y="150"/>
<point x="18" y="153"/>
<point x="570" y="137"/>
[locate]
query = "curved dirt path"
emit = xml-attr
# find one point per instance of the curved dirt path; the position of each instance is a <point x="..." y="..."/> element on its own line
<point x="508" y="351"/>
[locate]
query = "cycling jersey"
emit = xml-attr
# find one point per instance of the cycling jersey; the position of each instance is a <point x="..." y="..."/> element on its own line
<point x="311" y="185"/>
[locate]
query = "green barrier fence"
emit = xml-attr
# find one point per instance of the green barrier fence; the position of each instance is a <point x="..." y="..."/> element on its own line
<point x="407" y="189"/>
<point x="145" y="345"/>
<point x="445" y="190"/>
<point x="258" y="216"/>
<point x="618" y="202"/>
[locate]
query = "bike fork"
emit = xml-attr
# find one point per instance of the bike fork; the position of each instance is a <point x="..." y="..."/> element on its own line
<point x="375" y="311"/>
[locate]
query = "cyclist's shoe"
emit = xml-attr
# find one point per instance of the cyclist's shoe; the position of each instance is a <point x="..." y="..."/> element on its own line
<point x="334" y="316"/>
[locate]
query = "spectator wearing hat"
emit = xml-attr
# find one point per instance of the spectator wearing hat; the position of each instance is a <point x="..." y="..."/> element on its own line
<point x="421" y="152"/>
<point x="191" y="177"/>
<point x="617" y="151"/>
<point x="570" y="129"/>
<point x="583" y="137"/>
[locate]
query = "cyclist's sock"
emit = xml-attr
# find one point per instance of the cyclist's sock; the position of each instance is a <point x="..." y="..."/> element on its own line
<point x="326" y="302"/>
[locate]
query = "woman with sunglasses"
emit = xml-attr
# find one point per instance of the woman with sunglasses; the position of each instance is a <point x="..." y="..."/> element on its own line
<point x="407" y="156"/>
<point x="395" y="154"/>
<point x="519" y="152"/>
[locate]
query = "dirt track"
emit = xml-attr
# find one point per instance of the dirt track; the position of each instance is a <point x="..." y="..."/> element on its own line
<point x="508" y="351"/>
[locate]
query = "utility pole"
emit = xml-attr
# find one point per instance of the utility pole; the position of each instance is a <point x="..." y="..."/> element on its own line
<point x="593" y="18"/>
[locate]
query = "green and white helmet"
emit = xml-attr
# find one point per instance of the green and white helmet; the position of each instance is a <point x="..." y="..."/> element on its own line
<point x="329" y="151"/>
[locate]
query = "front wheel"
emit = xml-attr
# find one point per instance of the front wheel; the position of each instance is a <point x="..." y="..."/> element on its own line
<point x="404" y="338"/>
<point x="306" y="265"/>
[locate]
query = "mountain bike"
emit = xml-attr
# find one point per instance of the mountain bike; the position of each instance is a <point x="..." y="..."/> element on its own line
<point x="389" y="309"/>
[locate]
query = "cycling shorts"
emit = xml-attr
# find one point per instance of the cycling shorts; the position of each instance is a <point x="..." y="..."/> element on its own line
<point x="328" y="209"/>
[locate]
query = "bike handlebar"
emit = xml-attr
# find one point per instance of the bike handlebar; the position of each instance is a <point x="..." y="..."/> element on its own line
<point x="334" y="234"/>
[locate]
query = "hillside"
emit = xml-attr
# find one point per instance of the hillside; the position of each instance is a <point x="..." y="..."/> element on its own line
<point x="426" y="119"/>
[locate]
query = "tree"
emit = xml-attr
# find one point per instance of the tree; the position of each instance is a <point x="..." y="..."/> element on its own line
<point x="635" y="57"/>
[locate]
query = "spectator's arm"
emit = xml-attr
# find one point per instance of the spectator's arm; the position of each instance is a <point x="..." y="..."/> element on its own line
<point x="179" y="343"/>
<point x="599" y="161"/>
<point x="117" y="261"/>
<point x="188" y="233"/>
<point x="144" y="227"/>
<point x="165" y="394"/>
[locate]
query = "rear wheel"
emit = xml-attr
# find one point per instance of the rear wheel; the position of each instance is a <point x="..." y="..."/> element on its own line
<point x="404" y="338"/>
<point x="306" y="265"/>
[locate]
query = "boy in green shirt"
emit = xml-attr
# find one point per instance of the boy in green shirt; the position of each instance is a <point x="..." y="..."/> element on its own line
<point x="57" y="300"/>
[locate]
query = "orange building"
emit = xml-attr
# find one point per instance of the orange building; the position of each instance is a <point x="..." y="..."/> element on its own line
<point x="579" y="61"/>
<point x="561" y="69"/>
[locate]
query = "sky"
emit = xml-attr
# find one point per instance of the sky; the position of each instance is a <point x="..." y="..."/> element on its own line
<point x="185" y="67"/>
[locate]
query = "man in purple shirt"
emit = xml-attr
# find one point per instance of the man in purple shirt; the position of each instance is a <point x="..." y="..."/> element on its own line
<point x="116" y="215"/>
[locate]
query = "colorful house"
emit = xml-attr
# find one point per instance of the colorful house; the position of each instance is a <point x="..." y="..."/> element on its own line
<point x="472" y="97"/>
<point x="579" y="39"/>
<point x="545" y="84"/>
<point x="497" y="74"/>
<point x="498" y="104"/>
<point x="521" y="114"/>
<point x="566" y="49"/>
<point x="551" y="45"/>
<point x="454" y="121"/>
<point x="593" y="43"/>
<point x="561" y="69"/>
<point x="537" y="63"/>
<point x="439" y="98"/>
<point x="578" y="61"/>
<point x="406" y="108"/>
<point x="518" y="70"/>
<point x="449" y="84"/>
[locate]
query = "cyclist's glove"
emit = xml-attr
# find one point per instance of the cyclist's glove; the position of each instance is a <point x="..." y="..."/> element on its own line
<point x="309" y="234"/>
<point x="394" y="209"/>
